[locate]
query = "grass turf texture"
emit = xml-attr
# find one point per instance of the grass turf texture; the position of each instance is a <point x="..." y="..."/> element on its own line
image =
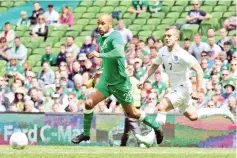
<point x="114" y="152"/>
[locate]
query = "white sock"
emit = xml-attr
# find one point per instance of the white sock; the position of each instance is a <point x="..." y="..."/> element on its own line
<point x="88" y="111"/>
<point x="207" y="112"/>
<point x="143" y="115"/>
<point x="161" y="117"/>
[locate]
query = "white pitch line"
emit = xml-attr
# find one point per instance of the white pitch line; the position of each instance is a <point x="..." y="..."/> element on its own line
<point x="119" y="153"/>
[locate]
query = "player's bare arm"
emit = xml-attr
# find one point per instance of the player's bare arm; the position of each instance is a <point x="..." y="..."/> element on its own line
<point x="148" y="74"/>
<point x="199" y="77"/>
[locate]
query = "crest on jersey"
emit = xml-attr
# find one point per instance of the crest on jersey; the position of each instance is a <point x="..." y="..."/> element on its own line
<point x="176" y="59"/>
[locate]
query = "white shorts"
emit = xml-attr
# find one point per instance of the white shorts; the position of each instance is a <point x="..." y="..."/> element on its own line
<point x="180" y="97"/>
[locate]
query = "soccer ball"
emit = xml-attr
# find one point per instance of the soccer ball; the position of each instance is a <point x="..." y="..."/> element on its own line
<point x="18" y="140"/>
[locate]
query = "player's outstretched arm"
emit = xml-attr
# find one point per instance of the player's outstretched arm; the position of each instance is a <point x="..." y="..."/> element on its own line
<point x="149" y="73"/>
<point x="199" y="77"/>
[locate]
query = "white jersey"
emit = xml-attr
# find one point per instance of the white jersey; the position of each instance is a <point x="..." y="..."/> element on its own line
<point x="177" y="65"/>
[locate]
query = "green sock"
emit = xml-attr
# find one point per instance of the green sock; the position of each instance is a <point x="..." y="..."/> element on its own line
<point x="150" y="121"/>
<point x="87" y="123"/>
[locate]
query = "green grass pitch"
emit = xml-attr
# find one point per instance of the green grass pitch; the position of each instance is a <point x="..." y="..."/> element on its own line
<point x="114" y="152"/>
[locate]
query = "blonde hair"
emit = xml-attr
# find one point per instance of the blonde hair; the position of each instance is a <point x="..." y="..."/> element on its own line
<point x="175" y="30"/>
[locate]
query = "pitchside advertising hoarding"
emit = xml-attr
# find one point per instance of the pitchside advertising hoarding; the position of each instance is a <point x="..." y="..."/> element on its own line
<point x="107" y="129"/>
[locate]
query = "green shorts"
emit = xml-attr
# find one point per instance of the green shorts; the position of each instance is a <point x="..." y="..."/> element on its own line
<point x="121" y="91"/>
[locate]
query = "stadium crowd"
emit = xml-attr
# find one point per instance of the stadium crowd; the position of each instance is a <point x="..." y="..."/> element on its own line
<point x="65" y="89"/>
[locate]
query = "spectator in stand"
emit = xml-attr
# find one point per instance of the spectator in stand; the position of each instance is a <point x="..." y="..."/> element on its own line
<point x="63" y="66"/>
<point x="135" y="40"/>
<point x="139" y="70"/>
<point x="78" y="81"/>
<point x="232" y="104"/>
<point x="141" y="47"/>
<point x="230" y="23"/>
<point x="155" y="7"/>
<point x="56" y="108"/>
<point x="233" y="68"/>
<point x="18" y="51"/>
<point x="158" y="44"/>
<point x="210" y="33"/>
<point x="4" y="49"/>
<point x="150" y="43"/>
<point x="23" y="21"/>
<point x="69" y="61"/>
<point x="224" y="77"/>
<point x="29" y="106"/>
<point x="52" y="16"/>
<point x="131" y="48"/>
<point x="34" y="97"/>
<point x="234" y="43"/>
<point x="4" y="101"/>
<point x="146" y="62"/>
<point x="19" y="99"/>
<point x="72" y="47"/>
<point x="61" y="55"/>
<point x="12" y="67"/>
<point x="87" y="46"/>
<point x="159" y="86"/>
<point x="64" y="78"/>
<point x="46" y="77"/>
<point x="138" y="6"/>
<point x="66" y="17"/>
<point x="48" y="57"/>
<point x="8" y="33"/>
<point x="228" y="51"/>
<point x="225" y="64"/>
<point x="214" y="48"/>
<point x="48" y="102"/>
<point x="40" y="29"/>
<point x="82" y="59"/>
<point x="73" y="103"/>
<point x="75" y="70"/>
<point x="35" y="14"/>
<point x="153" y="52"/>
<point x="229" y="89"/>
<point x="126" y="33"/>
<point x="186" y="45"/>
<point x="223" y="39"/>
<point x="196" y="15"/>
<point x="198" y="47"/>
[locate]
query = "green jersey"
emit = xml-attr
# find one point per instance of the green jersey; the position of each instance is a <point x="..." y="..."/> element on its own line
<point x="51" y="59"/>
<point x="113" y="58"/>
<point x="138" y="5"/>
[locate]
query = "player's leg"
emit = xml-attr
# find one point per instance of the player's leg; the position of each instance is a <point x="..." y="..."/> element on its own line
<point x="124" y="138"/>
<point x="100" y="93"/>
<point x="90" y="103"/>
<point x="194" y="114"/>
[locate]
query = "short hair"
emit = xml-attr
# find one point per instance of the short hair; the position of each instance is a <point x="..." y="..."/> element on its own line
<point x="186" y="39"/>
<point x="197" y="34"/>
<point x="234" y="35"/>
<point x="6" y="23"/>
<point x="173" y="28"/>
<point x="33" y="88"/>
<point x="135" y="36"/>
<point x="17" y="37"/>
<point x="227" y="43"/>
<point x="153" y="47"/>
<point x="73" y="94"/>
<point x="3" y="39"/>
<point x="70" y="37"/>
<point x="64" y="45"/>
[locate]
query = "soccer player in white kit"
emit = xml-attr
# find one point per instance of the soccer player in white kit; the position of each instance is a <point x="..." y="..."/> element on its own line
<point x="178" y="63"/>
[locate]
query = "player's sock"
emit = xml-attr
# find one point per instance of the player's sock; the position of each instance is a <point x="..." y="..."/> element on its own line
<point x="207" y="112"/>
<point x="88" y="116"/>
<point x="149" y="120"/>
<point x="161" y="117"/>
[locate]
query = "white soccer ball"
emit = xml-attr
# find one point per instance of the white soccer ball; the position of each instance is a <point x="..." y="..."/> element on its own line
<point x="18" y="140"/>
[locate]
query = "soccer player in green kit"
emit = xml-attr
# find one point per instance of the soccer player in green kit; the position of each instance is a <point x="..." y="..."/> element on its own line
<point x="113" y="81"/>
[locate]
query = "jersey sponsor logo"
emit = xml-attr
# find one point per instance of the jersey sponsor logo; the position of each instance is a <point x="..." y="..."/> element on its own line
<point x="127" y="96"/>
